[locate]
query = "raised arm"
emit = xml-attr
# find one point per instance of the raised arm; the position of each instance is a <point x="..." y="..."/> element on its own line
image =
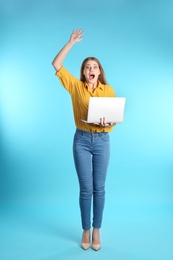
<point x="76" y="36"/>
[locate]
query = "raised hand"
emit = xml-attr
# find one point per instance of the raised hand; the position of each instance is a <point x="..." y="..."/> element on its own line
<point x="76" y="36"/>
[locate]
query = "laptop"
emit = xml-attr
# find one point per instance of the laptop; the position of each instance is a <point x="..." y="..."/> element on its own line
<point x="112" y="108"/>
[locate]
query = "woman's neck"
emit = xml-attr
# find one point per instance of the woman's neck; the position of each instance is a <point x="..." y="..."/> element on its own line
<point x="92" y="86"/>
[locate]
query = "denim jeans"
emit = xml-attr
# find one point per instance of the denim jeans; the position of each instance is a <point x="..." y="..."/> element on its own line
<point x="91" y="151"/>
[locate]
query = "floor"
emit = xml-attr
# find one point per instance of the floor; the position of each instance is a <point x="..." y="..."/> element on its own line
<point x="51" y="230"/>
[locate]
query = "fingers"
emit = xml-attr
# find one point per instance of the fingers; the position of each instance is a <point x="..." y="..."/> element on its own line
<point x="103" y="122"/>
<point x="77" y="35"/>
<point x="78" y="31"/>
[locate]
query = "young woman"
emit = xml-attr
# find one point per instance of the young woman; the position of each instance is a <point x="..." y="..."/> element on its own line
<point x="91" y="146"/>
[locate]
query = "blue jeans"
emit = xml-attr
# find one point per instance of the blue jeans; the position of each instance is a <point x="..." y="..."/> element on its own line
<point x="91" y="152"/>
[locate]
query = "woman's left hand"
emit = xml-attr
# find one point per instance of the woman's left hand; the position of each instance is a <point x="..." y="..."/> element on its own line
<point x="104" y="123"/>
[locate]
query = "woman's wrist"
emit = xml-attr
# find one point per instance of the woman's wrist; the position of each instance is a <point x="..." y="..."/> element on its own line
<point x="71" y="43"/>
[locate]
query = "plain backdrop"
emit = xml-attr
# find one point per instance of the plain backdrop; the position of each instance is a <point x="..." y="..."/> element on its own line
<point x="133" y="39"/>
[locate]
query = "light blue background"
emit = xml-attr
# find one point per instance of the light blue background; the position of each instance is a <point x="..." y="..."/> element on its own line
<point x="40" y="217"/>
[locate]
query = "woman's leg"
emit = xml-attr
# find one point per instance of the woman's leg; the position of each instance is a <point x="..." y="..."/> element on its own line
<point x="101" y="156"/>
<point x="83" y="163"/>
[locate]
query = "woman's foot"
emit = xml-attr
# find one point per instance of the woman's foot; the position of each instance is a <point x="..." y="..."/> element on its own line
<point x="85" y="239"/>
<point x="96" y="239"/>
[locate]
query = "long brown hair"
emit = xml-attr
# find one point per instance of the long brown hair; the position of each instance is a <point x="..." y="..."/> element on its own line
<point x="102" y="76"/>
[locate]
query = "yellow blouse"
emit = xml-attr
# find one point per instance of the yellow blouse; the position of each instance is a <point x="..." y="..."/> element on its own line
<point x="80" y="94"/>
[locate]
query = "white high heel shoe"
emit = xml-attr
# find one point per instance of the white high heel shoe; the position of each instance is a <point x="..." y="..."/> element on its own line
<point x="84" y="245"/>
<point x="96" y="246"/>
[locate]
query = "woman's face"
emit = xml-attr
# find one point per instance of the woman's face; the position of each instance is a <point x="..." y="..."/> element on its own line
<point x="91" y="71"/>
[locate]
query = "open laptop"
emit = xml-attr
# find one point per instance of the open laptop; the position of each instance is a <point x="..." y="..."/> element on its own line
<point x="112" y="108"/>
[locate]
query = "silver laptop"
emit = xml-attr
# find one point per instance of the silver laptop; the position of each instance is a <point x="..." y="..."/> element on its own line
<point x="112" y="108"/>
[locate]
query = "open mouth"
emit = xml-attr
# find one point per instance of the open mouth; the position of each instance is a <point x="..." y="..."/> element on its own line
<point x="91" y="76"/>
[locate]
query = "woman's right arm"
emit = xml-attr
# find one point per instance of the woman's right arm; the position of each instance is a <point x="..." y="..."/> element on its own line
<point x="76" y="36"/>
